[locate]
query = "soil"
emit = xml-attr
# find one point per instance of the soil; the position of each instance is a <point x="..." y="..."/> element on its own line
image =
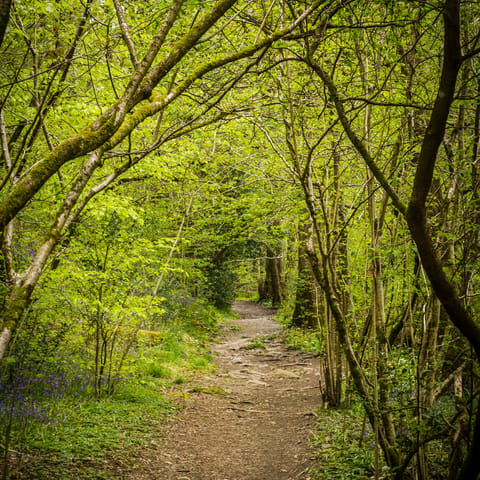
<point x="251" y="419"/>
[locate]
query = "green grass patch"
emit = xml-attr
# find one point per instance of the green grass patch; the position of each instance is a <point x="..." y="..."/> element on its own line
<point x="212" y="390"/>
<point x="343" y="449"/>
<point x="158" y="371"/>
<point x="301" y="339"/>
<point x="256" y="343"/>
<point x="180" y="380"/>
<point x="93" y="432"/>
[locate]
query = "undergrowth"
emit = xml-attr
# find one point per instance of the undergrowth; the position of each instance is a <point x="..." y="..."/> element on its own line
<point x="301" y="339"/>
<point x="52" y="425"/>
<point x="94" y="435"/>
<point x="342" y="443"/>
<point x="343" y="446"/>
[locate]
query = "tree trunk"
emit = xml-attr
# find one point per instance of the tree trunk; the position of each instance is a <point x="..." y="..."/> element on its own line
<point x="5" y="6"/>
<point x="274" y="278"/>
<point x="305" y="311"/>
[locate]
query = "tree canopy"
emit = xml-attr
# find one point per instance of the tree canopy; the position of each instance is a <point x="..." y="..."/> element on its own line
<point x="320" y="155"/>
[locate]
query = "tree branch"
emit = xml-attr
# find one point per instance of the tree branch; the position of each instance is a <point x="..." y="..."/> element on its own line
<point x="416" y="214"/>
<point x="356" y="141"/>
<point x="125" y="33"/>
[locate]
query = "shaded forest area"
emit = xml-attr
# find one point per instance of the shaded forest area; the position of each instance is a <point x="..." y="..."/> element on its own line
<point x="160" y="159"/>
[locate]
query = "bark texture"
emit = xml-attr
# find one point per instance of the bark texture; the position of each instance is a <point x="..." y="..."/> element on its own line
<point x="5" y="6"/>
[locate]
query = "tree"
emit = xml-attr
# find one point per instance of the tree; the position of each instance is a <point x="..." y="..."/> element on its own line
<point x="151" y="87"/>
<point x="416" y="212"/>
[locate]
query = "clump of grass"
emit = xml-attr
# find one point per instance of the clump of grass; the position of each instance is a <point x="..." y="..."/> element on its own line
<point x="301" y="339"/>
<point x="211" y="390"/>
<point x="156" y="370"/>
<point x="256" y="343"/>
<point x="180" y="380"/>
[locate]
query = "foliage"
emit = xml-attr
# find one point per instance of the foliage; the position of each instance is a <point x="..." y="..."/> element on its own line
<point x="221" y="281"/>
<point x="233" y="161"/>
<point x="343" y="451"/>
<point x="302" y="339"/>
<point x="53" y="425"/>
<point x="93" y="431"/>
<point x="257" y="343"/>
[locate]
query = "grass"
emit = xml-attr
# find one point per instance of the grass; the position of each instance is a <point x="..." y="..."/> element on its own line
<point x="94" y="434"/>
<point x="213" y="390"/>
<point x="301" y="339"/>
<point x="174" y="361"/>
<point x="295" y="338"/>
<point x="88" y="438"/>
<point x="256" y="343"/>
<point x="343" y="450"/>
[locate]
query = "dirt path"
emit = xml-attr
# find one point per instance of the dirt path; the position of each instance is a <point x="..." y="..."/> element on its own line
<point x="249" y="421"/>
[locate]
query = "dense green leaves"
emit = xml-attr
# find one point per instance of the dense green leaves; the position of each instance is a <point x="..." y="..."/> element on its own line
<point x="259" y="135"/>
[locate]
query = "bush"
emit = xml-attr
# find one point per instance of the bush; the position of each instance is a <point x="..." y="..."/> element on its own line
<point x="221" y="281"/>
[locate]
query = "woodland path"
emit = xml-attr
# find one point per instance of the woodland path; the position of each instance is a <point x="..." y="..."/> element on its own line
<point x="251" y="420"/>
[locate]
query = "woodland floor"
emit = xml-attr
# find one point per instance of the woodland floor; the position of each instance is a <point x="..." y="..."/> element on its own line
<point x="250" y="420"/>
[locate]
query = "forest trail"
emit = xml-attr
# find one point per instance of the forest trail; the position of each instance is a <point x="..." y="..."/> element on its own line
<point x="251" y="420"/>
